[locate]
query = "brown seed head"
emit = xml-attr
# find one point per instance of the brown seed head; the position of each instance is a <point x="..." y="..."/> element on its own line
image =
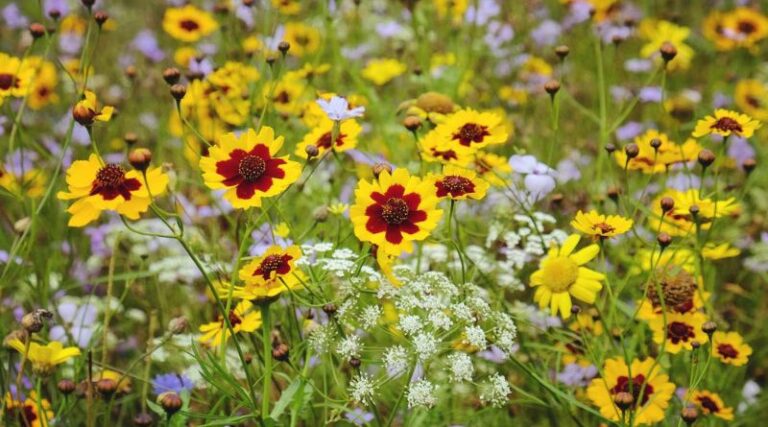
<point x="329" y="309"/>
<point x="689" y="415"/>
<point x="311" y="150"/>
<point x="668" y="51"/>
<point x="106" y="387"/>
<point x="631" y="150"/>
<point x="709" y="327"/>
<point x="140" y="158"/>
<point x="412" y="123"/>
<point x="706" y="158"/>
<point x="280" y="352"/>
<point x="562" y="51"/>
<point x="552" y="87"/>
<point x="35" y="320"/>
<point x="178" y="92"/>
<point x="37" y="30"/>
<point x="284" y="47"/>
<point x="130" y="138"/>
<point x="100" y="17"/>
<point x="178" y="325"/>
<point x="355" y="362"/>
<point x="378" y="168"/>
<point x="171" y="75"/>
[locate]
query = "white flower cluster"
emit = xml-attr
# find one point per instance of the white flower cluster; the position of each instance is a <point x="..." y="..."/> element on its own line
<point x="422" y="393"/>
<point x="361" y="388"/>
<point x="496" y="391"/>
<point x="350" y="347"/>
<point x="461" y="367"/>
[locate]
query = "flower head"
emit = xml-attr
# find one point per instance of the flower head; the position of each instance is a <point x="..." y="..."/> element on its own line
<point x="189" y="23"/>
<point x="337" y="108"/>
<point x="601" y="226"/>
<point x="269" y="275"/>
<point x="726" y="123"/>
<point x="322" y="134"/>
<point x="457" y="183"/>
<point x="681" y="330"/>
<point x="87" y="110"/>
<point x="711" y="404"/>
<point x="730" y="348"/>
<point x="244" y="317"/>
<point x="466" y="131"/>
<point x="382" y="71"/>
<point x="44" y="358"/>
<point x="32" y="411"/>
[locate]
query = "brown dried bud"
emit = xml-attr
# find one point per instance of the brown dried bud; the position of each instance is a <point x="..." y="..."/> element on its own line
<point x="130" y="72"/>
<point x="412" y="123"/>
<point x="689" y="415"/>
<point x="170" y="401"/>
<point x="664" y="240"/>
<point x="311" y="151"/>
<point x="100" y="17"/>
<point x="37" y="30"/>
<point x="140" y="158"/>
<point x="54" y="14"/>
<point x="610" y="148"/>
<point x="709" y="327"/>
<point x="280" y="352"/>
<point x="66" y="386"/>
<point x="247" y="358"/>
<point x="749" y="165"/>
<point x="668" y="51"/>
<point x="249" y="3"/>
<point x="557" y="198"/>
<point x="143" y="419"/>
<point x="130" y="138"/>
<point x="631" y="150"/>
<point x="178" y="92"/>
<point x="178" y="325"/>
<point x="17" y="334"/>
<point x="271" y="59"/>
<point x="320" y="214"/>
<point x="83" y="114"/>
<point x="624" y="400"/>
<point x="667" y="204"/>
<point x="575" y="309"/>
<point x="695" y="345"/>
<point x="378" y="168"/>
<point x="677" y="288"/>
<point x="284" y="47"/>
<point x="329" y="309"/>
<point x="694" y="210"/>
<point x="171" y="75"/>
<point x="34" y="321"/>
<point x="88" y="3"/>
<point x="106" y="387"/>
<point x="552" y="87"/>
<point x="655" y="143"/>
<point x="355" y="362"/>
<point x="562" y="51"/>
<point x="613" y="193"/>
<point x="706" y="158"/>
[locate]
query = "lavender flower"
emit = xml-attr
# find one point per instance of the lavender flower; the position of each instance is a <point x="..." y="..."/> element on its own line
<point x="337" y="109"/>
<point x="171" y="382"/>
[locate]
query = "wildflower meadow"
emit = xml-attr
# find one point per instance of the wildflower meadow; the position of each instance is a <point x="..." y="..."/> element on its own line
<point x="383" y="213"/>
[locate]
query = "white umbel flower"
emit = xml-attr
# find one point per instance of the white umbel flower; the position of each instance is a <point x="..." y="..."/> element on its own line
<point x="396" y="360"/>
<point x="496" y="391"/>
<point x="476" y="336"/>
<point x="422" y="393"/>
<point x="461" y="367"/>
<point x="349" y="347"/>
<point x="369" y="318"/>
<point x="425" y="345"/>
<point x="361" y="388"/>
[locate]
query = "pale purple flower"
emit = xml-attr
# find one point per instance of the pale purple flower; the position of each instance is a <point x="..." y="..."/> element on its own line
<point x="620" y="93"/>
<point x="70" y="42"/>
<point x="263" y="238"/>
<point x="391" y="28"/>
<point x="59" y="6"/>
<point x="683" y="181"/>
<point x="637" y="65"/>
<point x="575" y="375"/>
<point x="580" y="11"/>
<point x="497" y="34"/>
<point x="721" y="100"/>
<point x="178" y="383"/>
<point x="539" y="179"/>
<point x="494" y="354"/>
<point x="13" y="17"/>
<point x="650" y="94"/>
<point x="359" y="417"/>
<point x="740" y="150"/>
<point x="485" y="11"/>
<point x="610" y="33"/>
<point x="146" y="43"/>
<point x="202" y="66"/>
<point x="547" y="33"/>
<point x="629" y="131"/>
<point x="78" y="321"/>
<point x="337" y="108"/>
<point x="245" y="14"/>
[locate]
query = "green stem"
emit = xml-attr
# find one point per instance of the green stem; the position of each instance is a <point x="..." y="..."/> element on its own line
<point x="267" y="346"/>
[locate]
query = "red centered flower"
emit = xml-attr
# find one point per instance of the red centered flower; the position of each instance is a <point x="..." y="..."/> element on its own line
<point x="638" y="386"/>
<point x="459" y="183"/>
<point x="273" y="264"/>
<point x="394" y="213"/>
<point x="111" y="182"/>
<point x="471" y="133"/>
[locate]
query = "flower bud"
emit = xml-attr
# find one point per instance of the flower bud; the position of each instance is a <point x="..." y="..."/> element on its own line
<point x="100" y="17"/>
<point x="610" y="148"/>
<point x="37" y="30"/>
<point x="178" y="92"/>
<point x="22" y="225"/>
<point x="34" y="321"/>
<point x="280" y="352"/>
<point x="706" y="158"/>
<point x="623" y="400"/>
<point x="178" y="325"/>
<point x="83" y="114"/>
<point x="613" y="193"/>
<point x="143" y="419"/>
<point x="320" y="214"/>
<point x="412" y="123"/>
<point x="667" y="204"/>
<point x="749" y="165"/>
<point x="709" y="327"/>
<point x="140" y="158"/>
<point x="668" y="51"/>
<point x="284" y="47"/>
<point x="130" y="72"/>
<point x="329" y="309"/>
<point x="655" y="143"/>
<point x="631" y="150"/>
<point x="171" y="75"/>
<point x="355" y="362"/>
<point x="575" y="309"/>
<point x="66" y="386"/>
<point x="130" y="138"/>
<point x="689" y="415"/>
<point x="170" y="401"/>
<point x="664" y="240"/>
<point x="562" y="51"/>
<point x="106" y="387"/>
<point x="552" y="87"/>
<point x="88" y="3"/>
<point x="249" y="3"/>
<point x="378" y="168"/>
<point x="311" y="151"/>
<point x="694" y="210"/>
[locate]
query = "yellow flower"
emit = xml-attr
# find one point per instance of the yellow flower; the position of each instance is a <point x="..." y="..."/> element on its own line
<point x="87" y="110"/>
<point x="98" y="186"/>
<point x="338" y="208"/>
<point x="31" y="184"/>
<point x="243" y="318"/>
<point x="434" y="148"/>
<point x="453" y="9"/>
<point x="321" y="136"/>
<point x="726" y="123"/>
<point x="741" y="27"/>
<point x="386" y="262"/>
<point x="658" y="32"/>
<point x="680" y="222"/>
<point x="730" y="348"/>
<point x="304" y="39"/>
<point x="252" y="44"/>
<point x="650" y="389"/>
<point x="711" y="404"/>
<point x="43" y="90"/>
<point x="269" y="275"/>
<point x="382" y="71"/>
<point x="681" y="330"/>
<point x="183" y="55"/>
<point x="287" y="95"/>
<point x="247" y="167"/>
<point x="751" y="96"/>
<point x="721" y="251"/>
<point x="287" y="7"/>
<point x="15" y="76"/>
<point x="562" y="274"/>
<point x="467" y="131"/>
<point x="189" y="23"/>
<point x="491" y="167"/>
<point x="44" y="358"/>
<point x="394" y="211"/>
<point x="282" y="230"/>
<point x="657" y="160"/>
<point x="457" y="183"/>
<point x="228" y="90"/>
<point x="32" y="412"/>
<point x="601" y="226"/>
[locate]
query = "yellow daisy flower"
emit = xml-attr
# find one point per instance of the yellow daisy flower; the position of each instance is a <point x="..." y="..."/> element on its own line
<point x="711" y="404"/>
<point x="491" y="167"/>
<point x="87" y="110"/>
<point x="188" y="23"/>
<point x="657" y="160"/>
<point x="562" y="274"/>
<point x="243" y="318"/>
<point x="394" y="211"/>
<point x="658" y="32"/>
<point x="269" y="275"/>
<point x="287" y="7"/>
<point x="98" y="186"/>
<point x="247" y="168"/>
<point x="601" y="226"/>
<point x="382" y="71"/>
<point x="680" y="222"/>
<point x="730" y="348"/>
<point x="31" y="184"/>
<point x="32" y="412"/>
<point x="43" y="90"/>
<point x="44" y="358"/>
<point x="15" y="76"/>
<point x="434" y="148"/>
<point x="715" y="252"/>
<point x="321" y="136"/>
<point x="304" y="39"/>
<point x="751" y="96"/>
<point x="726" y="123"/>
<point x="681" y="330"/>
<point x="457" y="183"/>
<point x="469" y="130"/>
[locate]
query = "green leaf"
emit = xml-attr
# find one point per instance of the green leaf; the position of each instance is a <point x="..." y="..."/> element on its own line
<point x="286" y="398"/>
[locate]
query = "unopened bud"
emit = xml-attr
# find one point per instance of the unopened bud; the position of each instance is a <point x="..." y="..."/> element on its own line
<point x="668" y="51"/>
<point x="694" y="210"/>
<point x="562" y="51"/>
<point x="412" y="123"/>
<point x="88" y="3"/>
<point x="178" y="325"/>
<point x="37" y="30"/>
<point x="178" y="92"/>
<point x="355" y="362"/>
<point x="623" y="400"/>
<point x="706" y="158"/>
<point x="667" y="204"/>
<point x="320" y="214"/>
<point x="143" y="419"/>
<point x="284" y="47"/>
<point x="610" y="148"/>
<point x="311" y="151"/>
<point x="575" y="309"/>
<point x="170" y="402"/>
<point x="171" y="75"/>
<point x="664" y="240"/>
<point x="749" y="165"/>
<point x="709" y="327"/>
<point x="140" y="158"/>
<point x="100" y="17"/>
<point x="378" y="168"/>
<point x="106" y="387"/>
<point x="613" y="193"/>
<point x="130" y="138"/>
<point x="631" y="150"/>
<point x="552" y="87"/>
<point x="329" y="309"/>
<point x="66" y="386"/>
<point x="34" y="321"/>
<point x="280" y="352"/>
<point x="689" y="415"/>
<point x="655" y="143"/>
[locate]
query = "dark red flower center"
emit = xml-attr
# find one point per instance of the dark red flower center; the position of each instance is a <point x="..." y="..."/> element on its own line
<point x="680" y="332"/>
<point x="111" y="182"/>
<point x="604" y="228"/>
<point x="189" y="25"/>
<point x="471" y="132"/>
<point x="282" y="98"/>
<point x="29" y="415"/>
<point x="634" y="387"/>
<point x="325" y="140"/>
<point x="444" y="155"/>
<point x="251" y="168"/>
<point x="395" y="211"/>
<point x="727" y="351"/>
<point x="234" y="319"/>
<point x="6" y="81"/>
<point x="727" y="124"/>
<point x="454" y="185"/>
<point x="276" y="263"/>
<point x="747" y="27"/>
<point x="708" y="404"/>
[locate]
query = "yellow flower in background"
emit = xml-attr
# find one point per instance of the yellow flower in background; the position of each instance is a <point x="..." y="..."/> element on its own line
<point x="658" y="32"/>
<point x="650" y="258"/>
<point x="643" y="379"/>
<point x="600" y="226"/>
<point x="188" y="23"/>
<point x="43" y="90"/>
<point x="271" y="274"/>
<point x="681" y="330"/>
<point x="97" y="186"/>
<point x="535" y="67"/>
<point x="434" y="148"/>
<point x="244" y="317"/>
<point x="287" y="7"/>
<point x="288" y="95"/>
<point x="726" y="123"/>
<point x="741" y="27"/>
<point x="382" y="71"/>
<point x="458" y="183"/>
<point x="252" y="44"/>
<point x="751" y="96"/>
<point x="123" y="382"/>
<point x="87" y="110"/>
<point x="730" y="348"/>
<point x="183" y="55"/>
<point x="282" y="230"/>
<point x="562" y="274"/>
<point x="710" y="404"/>
<point x="30" y="184"/>
<point x="715" y="252"/>
<point x="657" y="160"/>
<point x="680" y="222"/>
<point x="451" y="9"/>
<point x="32" y="412"/>
<point x="45" y="358"/>
<point x="15" y="76"/>
<point x="321" y="136"/>
<point x="304" y="39"/>
<point x="338" y="208"/>
<point x="467" y="131"/>
<point x="491" y="167"/>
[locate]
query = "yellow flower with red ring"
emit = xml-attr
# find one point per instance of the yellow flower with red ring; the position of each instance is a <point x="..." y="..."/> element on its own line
<point x="751" y="96"/>
<point x="711" y="404"/>
<point x="468" y="130"/>
<point x="32" y="412"/>
<point x="600" y="226"/>
<point x="660" y="158"/>
<point x="651" y="390"/>
<point x="434" y="148"/>
<point x="87" y="110"/>
<point x="562" y="274"/>
<point x="395" y="211"/>
<point x="457" y="183"/>
<point x="269" y="275"/>
<point x="730" y="348"/>
<point x="98" y="187"/>
<point x="304" y="39"/>
<point x="726" y="123"/>
<point x="679" y="221"/>
<point x="680" y="330"/>
<point x="247" y="168"/>
<point x="243" y="318"/>
<point x="321" y="137"/>
<point x="189" y="23"/>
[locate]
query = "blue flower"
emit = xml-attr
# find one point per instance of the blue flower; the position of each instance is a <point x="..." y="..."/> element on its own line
<point x="171" y="382"/>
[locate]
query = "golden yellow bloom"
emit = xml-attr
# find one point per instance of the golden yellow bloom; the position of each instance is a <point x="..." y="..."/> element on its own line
<point x="680" y="222"/>
<point x="434" y="148"/>
<point x="288" y="96"/>
<point x="730" y="348"/>
<point x="269" y="275"/>
<point x="650" y="389"/>
<point x="44" y="358"/>
<point x="681" y="330"/>
<point x="467" y="131"/>
<point x="382" y="71"/>
<point x="458" y="183"/>
<point x="32" y="412"/>
<point x="87" y="110"/>
<point x="711" y="404"/>
<point x="188" y="23"/>
<point x="252" y="44"/>
<point x="287" y="7"/>
<point x="751" y="96"/>
<point x="451" y="9"/>
<point x="386" y="263"/>
<point x="741" y="27"/>
<point x="394" y="211"/>
<point x="726" y="123"/>
<point x="562" y="274"/>
<point x="338" y="208"/>
<point x="321" y="136"/>
<point x="43" y="90"/>
<point x="98" y="186"/>
<point x="658" y="32"/>
<point x="243" y="318"/>
<point x="491" y="167"/>
<point x="657" y="160"/>
<point x="715" y="252"/>
<point x="247" y="167"/>
<point x="304" y="39"/>
<point x="15" y="76"/>
<point x="31" y="184"/>
<point x="601" y="226"/>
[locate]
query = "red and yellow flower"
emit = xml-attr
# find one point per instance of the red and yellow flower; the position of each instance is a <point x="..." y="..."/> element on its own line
<point x="99" y="186"/>
<point x="726" y="123"/>
<point x="679" y="221"/>
<point x="657" y="160"/>
<point x="711" y="404"/>
<point x="32" y="412"/>
<point x="730" y="348"/>
<point x="395" y="211"/>
<point x="247" y="168"/>
<point x="321" y="137"/>
<point x="244" y="317"/>
<point x="467" y="131"/>
<point x="600" y="226"/>
<point x="681" y="330"/>
<point x="271" y="274"/>
<point x="189" y="23"/>
<point x="87" y="110"/>
<point x="457" y="183"/>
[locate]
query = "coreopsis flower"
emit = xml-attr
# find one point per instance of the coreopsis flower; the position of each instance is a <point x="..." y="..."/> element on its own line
<point x="30" y="183"/>
<point x="247" y="168"/>
<point x="679" y="291"/>
<point x="659" y="32"/>
<point x="15" y="76"/>
<point x="304" y="39"/>
<point x="751" y="96"/>
<point x="457" y="183"/>
<point x="32" y="412"/>
<point x="338" y="109"/>
<point x="244" y="317"/>
<point x="681" y="330"/>
<point x="657" y="160"/>
<point x="287" y="7"/>
<point x="45" y="358"/>
<point x="188" y="23"/>
<point x="287" y="96"/>
<point x="715" y="252"/>
<point x="741" y="27"/>
<point x="730" y="348"/>
<point x="394" y="211"/>
<point x="43" y="90"/>
<point x="382" y="71"/>
<point x="469" y="130"/>
<point x="451" y="9"/>
<point x="87" y="110"/>
<point x="271" y="274"/>
<point x="562" y="274"/>
<point x="493" y="168"/>
<point x="679" y="221"/>
<point x="322" y="134"/>
<point x="726" y="123"/>
<point x="711" y="404"/>
<point x="601" y="226"/>
<point x="650" y="389"/>
<point x="434" y="148"/>
<point x="99" y="186"/>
